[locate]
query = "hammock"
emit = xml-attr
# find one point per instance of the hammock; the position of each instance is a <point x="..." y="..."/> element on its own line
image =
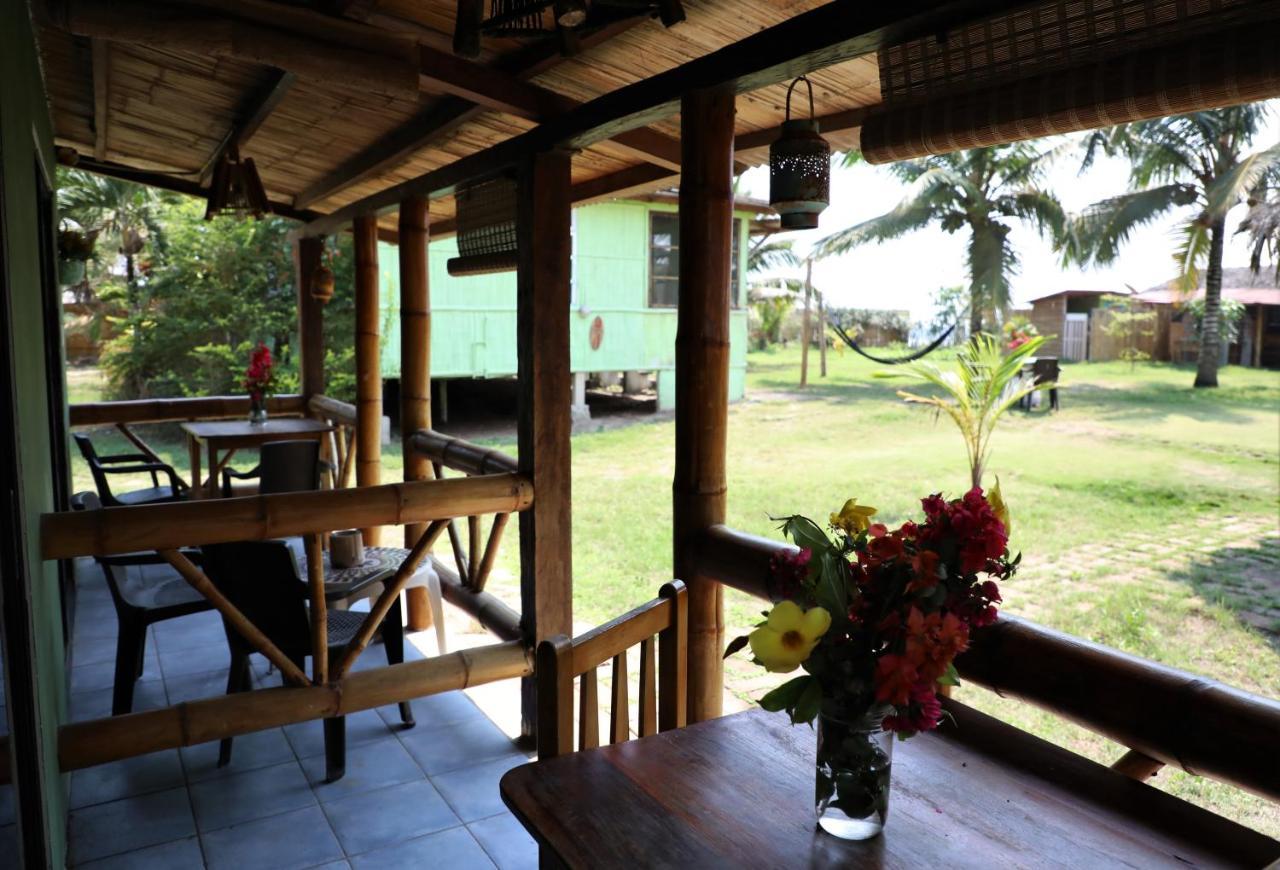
<point x="911" y="357"/>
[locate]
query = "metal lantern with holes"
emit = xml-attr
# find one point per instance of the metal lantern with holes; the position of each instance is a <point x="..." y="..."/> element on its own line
<point x="799" y="169"/>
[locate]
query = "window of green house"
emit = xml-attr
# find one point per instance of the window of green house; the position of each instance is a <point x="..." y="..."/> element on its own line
<point x="664" y="260"/>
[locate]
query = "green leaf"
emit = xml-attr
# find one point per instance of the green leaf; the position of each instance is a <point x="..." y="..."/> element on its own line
<point x="786" y="696"/>
<point x="734" y="645"/>
<point x="809" y="704"/>
<point x="805" y="533"/>
<point x="951" y="677"/>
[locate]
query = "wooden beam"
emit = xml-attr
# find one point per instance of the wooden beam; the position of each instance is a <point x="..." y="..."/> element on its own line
<point x="835" y="122"/>
<point x="545" y="397"/>
<point x="101" y="50"/>
<point x="836" y="32"/>
<point x="415" y="371"/>
<point x="702" y="375"/>
<point x="307" y="258"/>
<point x="170" y="410"/>
<point x="368" y="364"/>
<point x="259" y="106"/>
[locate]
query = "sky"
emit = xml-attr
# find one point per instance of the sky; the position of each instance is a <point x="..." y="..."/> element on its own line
<point x="905" y="273"/>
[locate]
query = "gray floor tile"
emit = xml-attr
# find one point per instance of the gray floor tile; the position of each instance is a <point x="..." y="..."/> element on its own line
<point x="293" y="840"/>
<point x="8" y="805"/>
<point x="473" y="791"/>
<point x="149" y="695"/>
<point x="128" y="778"/>
<point x="189" y="687"/>
<point x="198" y="629"/>
<point x="254" y="794"/>
<point x="507" y="842"/>
<point x="435" y="710"/>
<point x="177" y="855"/>
<point x="369" y="766"/>
<point x="195" y="659"/>
<point x="248" y="752"/>
<point x="334" y="865"/>
<point x="91" y="650"/>
<point x="455" y="849"/>
<point x="369" y="821"/>
<point x="462" y="744"/>
<point x="307" y="738"/>
<point x="102" y="675"/>
<point x="129" y="824"/>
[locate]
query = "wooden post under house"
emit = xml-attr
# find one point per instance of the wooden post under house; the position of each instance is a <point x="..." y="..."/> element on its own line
<point x="307" y="253"/>
<point x="545" y="394"/>
<point x="702" y="375"/>
<point x="415" y="369"/>
<point x="368" y="434"/>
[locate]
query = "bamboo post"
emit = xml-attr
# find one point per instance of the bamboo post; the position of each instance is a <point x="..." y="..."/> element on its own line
<point x="415" y="370"/>
<point x="545" y="395"/>
<point x="822" y="336"/>
<point x="804" y="326"/>
<point x="319" y="611"/>
<point x="368" y="435"/>
<point x="702" y="375"/>
<point x="307" y="253"/>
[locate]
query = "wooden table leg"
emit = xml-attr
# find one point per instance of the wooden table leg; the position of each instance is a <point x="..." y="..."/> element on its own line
<point x="197" y="482"/>
<point x="213" y="470"/>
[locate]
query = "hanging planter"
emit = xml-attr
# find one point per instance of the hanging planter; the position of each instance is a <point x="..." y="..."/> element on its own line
<point x="236" y="188"/>
<point x="800" y="169"/>
<point x="75" y="249"/>
<point x="322" y="283"/>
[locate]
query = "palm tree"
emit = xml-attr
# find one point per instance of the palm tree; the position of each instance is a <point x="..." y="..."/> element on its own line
<point x="120" y="209"/>
<point x="1262" y="223"/>
<point x="1196" y="162"/>
<point x="765" y="255"/>
<point x="984" y="191"/>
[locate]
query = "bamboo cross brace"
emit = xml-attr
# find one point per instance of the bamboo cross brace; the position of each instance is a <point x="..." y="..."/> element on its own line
<point x="212" y="484"/>
<point x="473" y="550"/>
<point x="459" y="555"/>
<point x="232" y="614"/>
<point x="389" y="594"/>
<point x="319" y="611"/>
<point x="348" y="456"/>
<point x="490" y="551"/>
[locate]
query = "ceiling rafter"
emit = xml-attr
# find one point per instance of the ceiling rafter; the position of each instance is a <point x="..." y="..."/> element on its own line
<point x="261" y="103"/>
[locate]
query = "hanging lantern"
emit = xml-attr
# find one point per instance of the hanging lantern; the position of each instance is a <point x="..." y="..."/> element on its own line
<point x="236" y="188"/>
<point x="322" y="285"/>
<point x="799" y="169"/>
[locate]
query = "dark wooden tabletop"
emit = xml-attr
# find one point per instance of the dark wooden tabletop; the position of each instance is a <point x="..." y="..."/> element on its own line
<point x="738" y="792"/>
<point x="239" y="433"/>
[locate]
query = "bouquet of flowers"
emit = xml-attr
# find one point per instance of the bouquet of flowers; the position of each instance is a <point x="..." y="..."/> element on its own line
<point x="259" y="379"/>
<point x="877" y="615"/>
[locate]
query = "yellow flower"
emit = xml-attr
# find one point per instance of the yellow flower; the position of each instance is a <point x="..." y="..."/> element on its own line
<point x="1001" y="510"/>
<point x="789" y="636"/>
<point x="853" y="517"/>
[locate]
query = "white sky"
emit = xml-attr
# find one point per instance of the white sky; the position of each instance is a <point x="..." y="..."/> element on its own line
<point x="905" y="273"/>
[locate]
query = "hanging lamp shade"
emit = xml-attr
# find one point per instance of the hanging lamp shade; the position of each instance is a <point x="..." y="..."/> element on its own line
<point x="236" y="188"/>
<point x="322" y="284"/>
<point x="799" y="169"/>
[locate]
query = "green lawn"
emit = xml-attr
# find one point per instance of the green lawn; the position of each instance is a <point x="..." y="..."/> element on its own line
<point x="1146" y="512"/>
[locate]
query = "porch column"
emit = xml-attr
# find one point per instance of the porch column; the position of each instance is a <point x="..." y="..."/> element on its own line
<point x="545" y="396"/>
<point x="368" y="368"/>
<point x="306" y="260"/>
<point x="415" y="369"/>
<point x="702" y="374"/>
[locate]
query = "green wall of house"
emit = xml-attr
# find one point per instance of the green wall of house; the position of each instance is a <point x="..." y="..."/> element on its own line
<point x="25" y="150"/>
<point x="473" y="319"/>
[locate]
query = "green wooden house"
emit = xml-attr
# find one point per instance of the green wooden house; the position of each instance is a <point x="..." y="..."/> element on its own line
<point x="623" y="312"/>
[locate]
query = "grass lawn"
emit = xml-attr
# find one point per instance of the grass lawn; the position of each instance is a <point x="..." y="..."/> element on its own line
<point x="1146" y="512"/>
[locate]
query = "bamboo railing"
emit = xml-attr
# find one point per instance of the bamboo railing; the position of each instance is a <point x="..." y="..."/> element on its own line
<point x="339" y="446"/>
<point x="1160" y="714"/>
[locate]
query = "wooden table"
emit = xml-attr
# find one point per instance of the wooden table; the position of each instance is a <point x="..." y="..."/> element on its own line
<point x="231" y="435"/>
<point x="738" y="792"/>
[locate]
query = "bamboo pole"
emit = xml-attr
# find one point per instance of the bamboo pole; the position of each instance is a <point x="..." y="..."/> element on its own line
<point x="368" y="368"/>
<point x="259" y="517"/>
<point x="170" y="410"/>
<point x="822" y="336"/>
<point x="392" y="590"/>
<point x="319" y="611"/>
<point x="804" y="327"/>
<point x="702" y="372"/>
<point x="232" y="614"/>
<point x="306" y="258"/>
<point x="490" y="551"/>
<point x="488" y="610"/>
<point x="334" y="410"/>
<point x="460" y="455"/>
<point x="1136" y="765"/>
<point x="415" y="370"/>
<point x="99" y="741"/>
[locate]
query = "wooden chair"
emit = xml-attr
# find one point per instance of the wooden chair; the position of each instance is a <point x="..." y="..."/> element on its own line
<point x="145" y="590"/>
<point x="261" y="579"/>
<point x="133" y="463"/>
<point x="283" y="466"/>
<point x="662" y="678"/>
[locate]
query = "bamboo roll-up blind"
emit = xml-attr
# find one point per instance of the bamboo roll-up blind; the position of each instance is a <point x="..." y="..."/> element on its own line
<point x="1231" y="67"/>
<point x="486" y="228"/>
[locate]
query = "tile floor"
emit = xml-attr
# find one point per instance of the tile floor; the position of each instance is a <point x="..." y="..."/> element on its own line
<point x="425" y="796"/>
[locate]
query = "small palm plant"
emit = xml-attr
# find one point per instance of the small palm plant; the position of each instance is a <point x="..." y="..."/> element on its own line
<point x="975" y="394"/>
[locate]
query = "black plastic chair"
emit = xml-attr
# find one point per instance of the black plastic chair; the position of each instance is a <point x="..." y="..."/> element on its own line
<point x="145" y="590"/>
<point x="102" y="466"/>
<point x="1044" y="370"/>
<point x="261" y="579"/>
<point x="283" y="466"/>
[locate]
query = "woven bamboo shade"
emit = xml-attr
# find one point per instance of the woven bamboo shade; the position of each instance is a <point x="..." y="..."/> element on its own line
<point x="486" y="228"/>
<point x="1228" y="67"/>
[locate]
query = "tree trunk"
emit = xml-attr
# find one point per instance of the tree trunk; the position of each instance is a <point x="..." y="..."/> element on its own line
<point x="822" y="335"/>
<point x="1210" y="326"/>
<point x="804" y="328"/>
<point x="975" y="317"/>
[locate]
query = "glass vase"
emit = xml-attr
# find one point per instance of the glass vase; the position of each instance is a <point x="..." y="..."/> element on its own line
<point x="852" y="784"/>
<point x="257" y="410"/>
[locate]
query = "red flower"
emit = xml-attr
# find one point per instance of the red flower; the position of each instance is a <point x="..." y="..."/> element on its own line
<point x="922" y="714"/>
<point x="790" y="570"/>
<point x="895" y="675"/>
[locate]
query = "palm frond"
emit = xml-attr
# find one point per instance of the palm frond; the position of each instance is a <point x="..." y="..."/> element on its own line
<point x="929" y="193"/>
<point x="1097" y="234"/>
<point x="1234" y="185"/>
<point x="1190" y="253"/>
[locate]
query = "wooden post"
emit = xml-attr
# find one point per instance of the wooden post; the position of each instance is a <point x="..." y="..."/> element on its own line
<point x="804" y="326"/>
<point x="368" y="369"/>
<point x="702" y="374"/>
<point x="545" y="396"/>
<point x="306" y="258"/>
<point x="415" y="370"/>
<point x="822" y="335"/>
